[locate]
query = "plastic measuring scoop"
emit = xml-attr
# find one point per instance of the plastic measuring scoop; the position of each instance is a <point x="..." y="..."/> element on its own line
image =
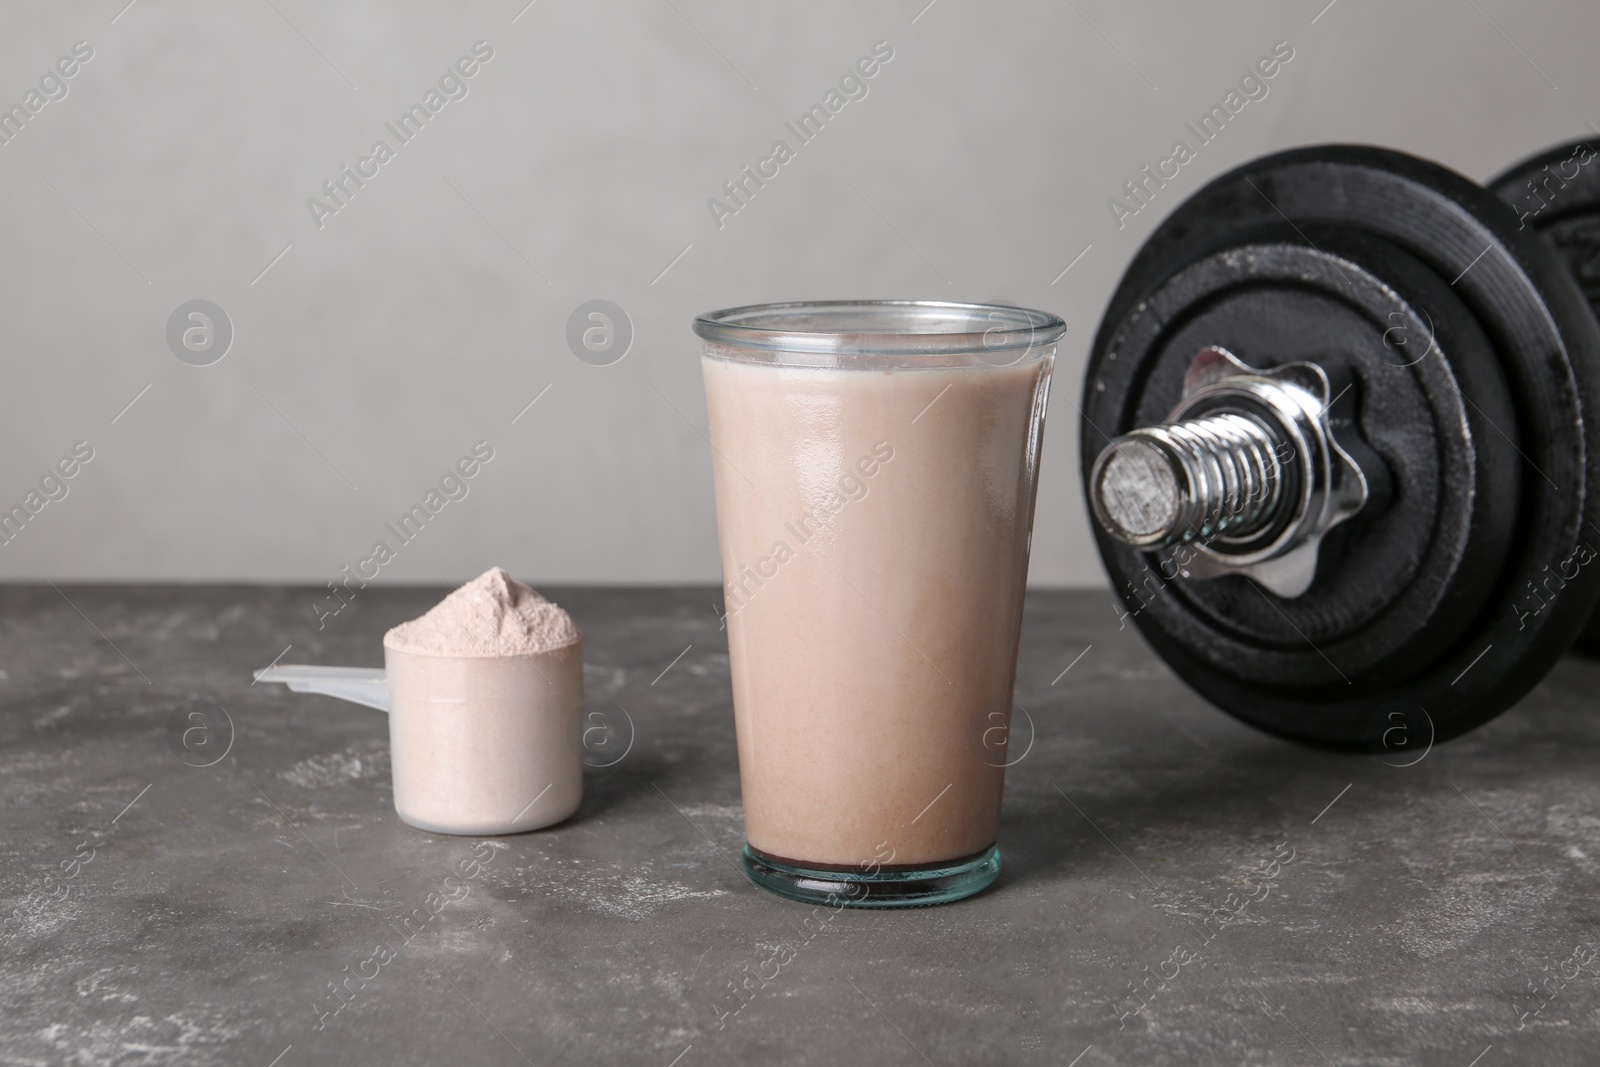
<point x="477" y="744"/>
<point x="359" y="685"/>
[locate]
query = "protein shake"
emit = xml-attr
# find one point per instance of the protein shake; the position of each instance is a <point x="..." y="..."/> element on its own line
<point x="875" y="513"/>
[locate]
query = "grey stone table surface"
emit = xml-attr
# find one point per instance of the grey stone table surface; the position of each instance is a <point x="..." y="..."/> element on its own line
<point x="1177" y="887"/>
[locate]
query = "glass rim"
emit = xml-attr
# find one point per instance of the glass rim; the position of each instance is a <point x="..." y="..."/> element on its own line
<point x="880" y="327"/>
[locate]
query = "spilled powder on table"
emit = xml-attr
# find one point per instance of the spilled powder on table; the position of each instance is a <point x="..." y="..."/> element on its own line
<point x="355" y="763"/>
<point x="623" y="895"/>
<point x="492" y="615"/>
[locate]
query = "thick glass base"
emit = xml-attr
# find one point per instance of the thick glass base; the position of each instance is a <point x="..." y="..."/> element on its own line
<point x="900" y="887"/>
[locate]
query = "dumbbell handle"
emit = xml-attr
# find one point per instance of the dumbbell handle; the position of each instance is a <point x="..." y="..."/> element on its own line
<point x="1199" y="479"/>
<point x="1246" y="468"/>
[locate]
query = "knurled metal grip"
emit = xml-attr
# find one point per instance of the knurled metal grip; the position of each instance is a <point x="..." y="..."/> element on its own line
<point x="1245" y="470"/>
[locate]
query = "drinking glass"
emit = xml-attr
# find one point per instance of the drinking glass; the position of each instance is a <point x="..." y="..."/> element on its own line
<point x="875" y="465"/>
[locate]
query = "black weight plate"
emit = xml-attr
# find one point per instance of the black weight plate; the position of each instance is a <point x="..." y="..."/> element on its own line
<point x="1497" y="640"/>
<point x="1402" y="581"/>
<point x="1557" y="192"/>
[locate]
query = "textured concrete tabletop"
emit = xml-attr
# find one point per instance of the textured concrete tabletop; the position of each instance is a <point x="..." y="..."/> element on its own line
<point x="1177" y="887"/>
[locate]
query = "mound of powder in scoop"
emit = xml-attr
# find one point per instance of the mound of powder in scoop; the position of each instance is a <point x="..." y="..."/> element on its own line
<point x="492" y="615"/>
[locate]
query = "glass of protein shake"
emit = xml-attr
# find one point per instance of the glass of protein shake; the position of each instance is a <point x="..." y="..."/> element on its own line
<point x="875" y="466"/>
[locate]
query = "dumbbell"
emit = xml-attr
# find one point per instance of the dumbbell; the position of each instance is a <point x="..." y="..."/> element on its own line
<point x="1341" y="443"/>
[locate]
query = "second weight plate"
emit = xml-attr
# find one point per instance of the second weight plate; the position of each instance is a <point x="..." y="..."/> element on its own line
<point x="1557" y="193"/>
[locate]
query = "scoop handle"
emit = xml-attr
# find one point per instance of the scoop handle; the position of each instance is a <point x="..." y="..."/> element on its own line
<point x="359" y="685"/>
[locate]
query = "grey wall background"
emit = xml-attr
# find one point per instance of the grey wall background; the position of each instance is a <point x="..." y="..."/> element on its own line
<point x="432" y="308"/>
